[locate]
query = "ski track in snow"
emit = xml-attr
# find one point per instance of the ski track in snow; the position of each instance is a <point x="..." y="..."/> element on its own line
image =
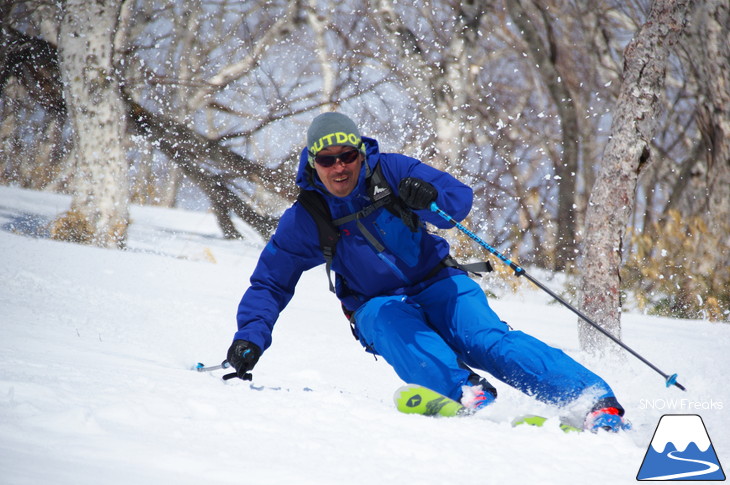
<point x="96" y="386"/>
<point x="711" y="467"/>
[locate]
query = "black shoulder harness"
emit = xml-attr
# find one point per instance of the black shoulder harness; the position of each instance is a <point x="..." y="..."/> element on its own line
<point x="381" y="195"/>
<point x="317" y="207"/>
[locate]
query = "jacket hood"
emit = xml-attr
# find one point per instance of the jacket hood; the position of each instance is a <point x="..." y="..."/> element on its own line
<point x="307" y="177"/>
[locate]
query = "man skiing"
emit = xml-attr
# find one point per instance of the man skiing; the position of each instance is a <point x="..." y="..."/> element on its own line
<point x="406" y="298"/>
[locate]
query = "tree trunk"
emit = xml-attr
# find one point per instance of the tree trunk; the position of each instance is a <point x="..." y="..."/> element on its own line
<point x="99" y="209"/>
<point x="710" y="51"/>
<point x="566" y="170"/>
<point x="612" y="199"/>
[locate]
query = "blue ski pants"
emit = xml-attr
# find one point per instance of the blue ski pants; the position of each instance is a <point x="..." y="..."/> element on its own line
<point x="425" y="337"/>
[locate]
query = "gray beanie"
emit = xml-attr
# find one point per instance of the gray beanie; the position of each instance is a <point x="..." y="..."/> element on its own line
<point x="329" y="129"/>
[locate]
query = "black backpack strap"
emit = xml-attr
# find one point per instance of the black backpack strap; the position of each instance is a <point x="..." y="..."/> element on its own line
<point x="317" y="207"/>
<point x="381" y="195"/>
<point x="450" y="262"/>
<point x="475" y="268"/>
<point x="380" y="192"/>
<point x="329" y="234"/>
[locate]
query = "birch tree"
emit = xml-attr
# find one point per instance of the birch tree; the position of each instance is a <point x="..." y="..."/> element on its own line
<point x="221" y="93"/>
<point x="545" y="55"/>
<point x="709" y="56"/>
<point x="437" y="73"/>
<point x="627" y="154"/>
<point x="99" y="208"/>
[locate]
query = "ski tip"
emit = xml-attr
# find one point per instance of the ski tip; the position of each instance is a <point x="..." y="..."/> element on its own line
<point x="539" y="422"/>
<point x="199" y="366"/>
<point x="416" y="399"/>
<point x="529" y="419"/>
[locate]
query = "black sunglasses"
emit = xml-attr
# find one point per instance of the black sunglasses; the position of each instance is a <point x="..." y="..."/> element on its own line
<point x="345" y="157"/>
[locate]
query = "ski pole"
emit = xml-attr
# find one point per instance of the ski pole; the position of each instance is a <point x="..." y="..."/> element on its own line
<point x="670" y="380"/>
<point x="200" y="367"/>
<point x="203" y="368"/>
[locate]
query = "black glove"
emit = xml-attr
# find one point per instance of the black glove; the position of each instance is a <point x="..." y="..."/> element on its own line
<point x="416" y="193"/>
<point x="242" y="356"/>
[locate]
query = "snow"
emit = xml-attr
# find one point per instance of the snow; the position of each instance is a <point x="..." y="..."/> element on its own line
<point x="96" y="386"/>
<point x="681" y="431"/>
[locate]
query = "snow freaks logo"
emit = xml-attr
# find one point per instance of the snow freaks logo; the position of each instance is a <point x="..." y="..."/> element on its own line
<point x="681" y="450"/>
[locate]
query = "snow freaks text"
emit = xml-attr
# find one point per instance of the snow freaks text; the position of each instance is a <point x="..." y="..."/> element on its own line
<point x="680" y="405"/>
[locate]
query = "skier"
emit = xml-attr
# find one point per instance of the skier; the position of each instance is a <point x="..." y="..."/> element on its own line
<point x="406" y="298"/>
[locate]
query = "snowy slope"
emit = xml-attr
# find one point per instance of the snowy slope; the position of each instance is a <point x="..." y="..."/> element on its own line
<point x="96" y="348"/>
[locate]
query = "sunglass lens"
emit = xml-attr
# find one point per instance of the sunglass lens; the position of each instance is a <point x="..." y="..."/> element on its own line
<point x="349" y="157"/>
<point x="329" y="160"/>
<point x="325" y="160"/>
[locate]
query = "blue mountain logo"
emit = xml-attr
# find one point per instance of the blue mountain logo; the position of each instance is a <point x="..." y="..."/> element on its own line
<point x="681" y="450"/>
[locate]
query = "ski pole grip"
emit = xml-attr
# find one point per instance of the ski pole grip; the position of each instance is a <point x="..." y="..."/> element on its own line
<point x="435" y="208"/>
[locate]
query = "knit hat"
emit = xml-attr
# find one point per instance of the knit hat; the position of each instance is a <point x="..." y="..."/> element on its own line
<point x="332" y="129"/>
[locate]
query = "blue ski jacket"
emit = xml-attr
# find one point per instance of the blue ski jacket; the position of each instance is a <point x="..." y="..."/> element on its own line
<point x="405" y="267"/>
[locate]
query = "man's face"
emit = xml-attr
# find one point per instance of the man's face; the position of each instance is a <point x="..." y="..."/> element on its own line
<point x="339" y="179"/>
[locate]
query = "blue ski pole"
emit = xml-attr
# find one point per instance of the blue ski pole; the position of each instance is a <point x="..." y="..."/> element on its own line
<point x="670" y="380"/>
<point x="200" y="367"/>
